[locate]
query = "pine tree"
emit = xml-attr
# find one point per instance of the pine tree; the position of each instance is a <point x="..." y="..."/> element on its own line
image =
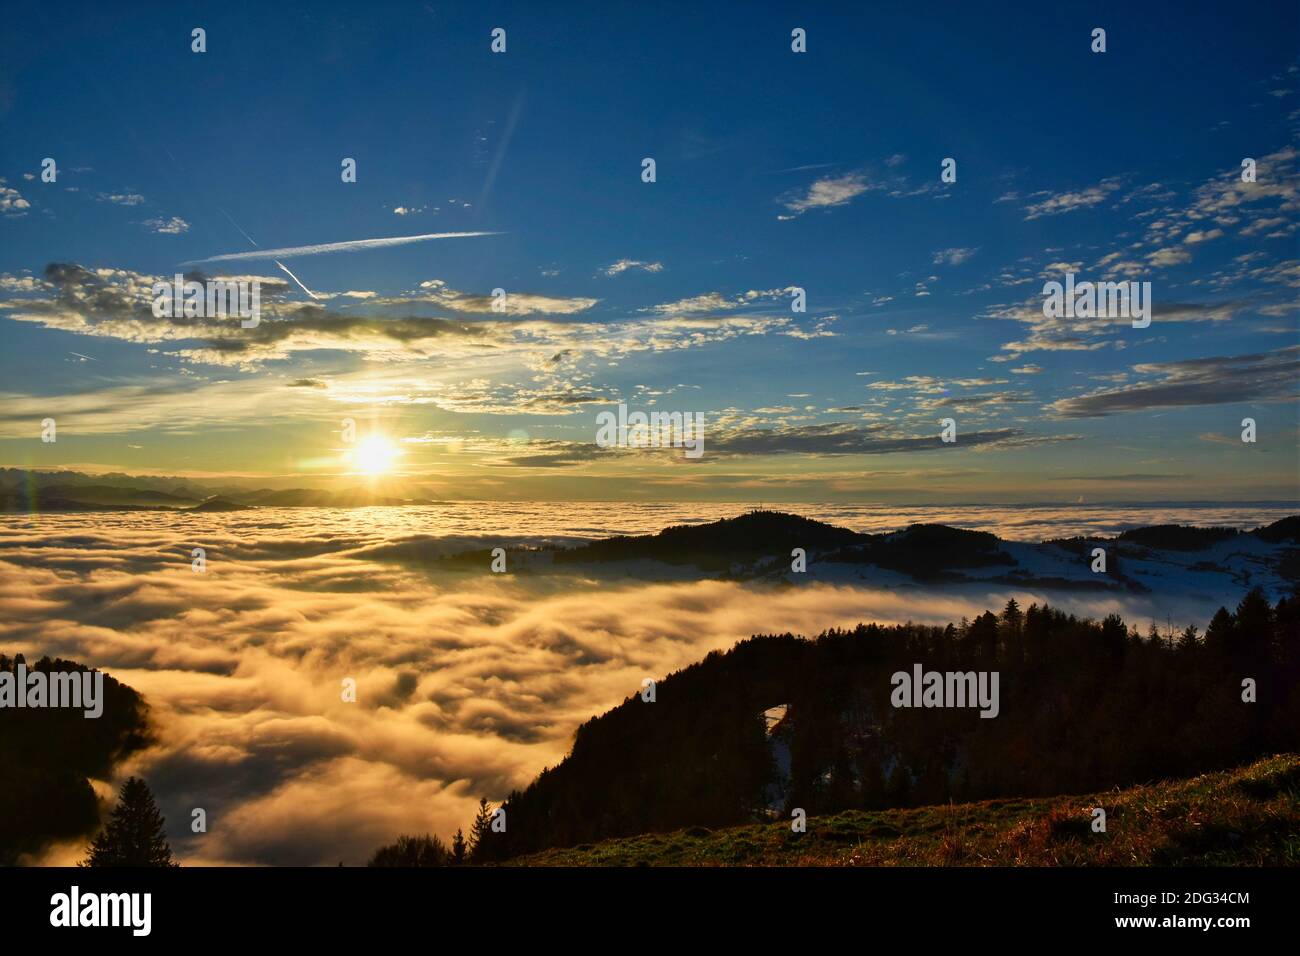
<point x="135" y="835"/>
<point x="426" y="850"/>
<point x="458" y="849"/>
<point x="480" y="831"/>
<point x="1218" y="636"/>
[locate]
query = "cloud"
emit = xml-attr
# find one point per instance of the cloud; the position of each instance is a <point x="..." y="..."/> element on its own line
<point x="1055" y="204"/>
<point x="840" y="438"/>
<point x="623" y="265"/>
<point x="827" y="192"/>
<point x="513" y="303"/>
<point x="117" y="303"/>
<point x="1132" y="476"/>
<point x="172" y="227"/>
<point x="715" y="302"/>
<point x="25" y="283"/>
<point x="953" y="257"/>
<point x="121" y="199"/>
<point x="1272" y="226"/>
<point x="1221" y="380"/>
<point x="1066" y="334"/>
<point x="12" y="204"/>
<point x="1168" y="257"/>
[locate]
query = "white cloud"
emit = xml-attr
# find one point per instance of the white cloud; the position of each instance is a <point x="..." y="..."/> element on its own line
<point x="623" y="265"/>
<point x="953" y="257"/>
<point x="1169" y="257"/>
<point x="1058" y="203"/>
<point x="12" y="203"/>
<point x="172" y="227"/>
<point x="827" y="192"/>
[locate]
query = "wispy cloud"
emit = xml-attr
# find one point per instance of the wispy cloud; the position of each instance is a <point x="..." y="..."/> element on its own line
<point x="623" y="265"/>
<point x="1054" y="204"/>
<point x="122" y="199"/>
<point x="172" y="227"/>
<point x="953" y="257"/>
<point x="1220" y="380"/>
<point x="827" y="192"/>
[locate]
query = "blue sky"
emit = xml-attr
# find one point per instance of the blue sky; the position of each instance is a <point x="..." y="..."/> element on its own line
<point x="819" y="170"/>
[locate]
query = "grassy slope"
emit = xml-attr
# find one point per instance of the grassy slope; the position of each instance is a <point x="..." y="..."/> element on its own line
<point x="1244" y="817"/>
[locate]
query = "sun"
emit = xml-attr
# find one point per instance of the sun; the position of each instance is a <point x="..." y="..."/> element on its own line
<point x="375" y="455"/>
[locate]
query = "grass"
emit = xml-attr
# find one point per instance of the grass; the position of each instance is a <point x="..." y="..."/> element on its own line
<point x="1244" y="817"/>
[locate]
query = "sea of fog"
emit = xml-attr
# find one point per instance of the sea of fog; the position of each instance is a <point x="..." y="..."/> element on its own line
<point x="468" y="684"/>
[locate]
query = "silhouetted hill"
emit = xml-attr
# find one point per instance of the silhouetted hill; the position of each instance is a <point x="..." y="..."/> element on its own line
<point x="718" y="544"/>
<point x="1082" y="705"/>
<point x="928" y="552"/>
<point x="115" y="495"/>
<point x="218" y="503"/>
<point x="1177" y="537"/>
<point x="1284" y="529"/>
<point x="47" y="754"/>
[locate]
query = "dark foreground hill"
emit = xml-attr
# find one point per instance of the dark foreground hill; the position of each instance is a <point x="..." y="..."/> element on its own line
<point x="1244" y="817"/>
<point x="781" y="723"/>
<point x="48" y="754"/>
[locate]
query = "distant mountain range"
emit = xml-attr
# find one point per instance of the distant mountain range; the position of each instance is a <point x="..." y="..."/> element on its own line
<point x="41" y="491"/>
<point x="761" y="545"/>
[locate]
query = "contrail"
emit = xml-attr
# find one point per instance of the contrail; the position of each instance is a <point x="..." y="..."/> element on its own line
<point x="252" y="242"/>
<point x="295" y="279"/>
<point x="322" y="248"/>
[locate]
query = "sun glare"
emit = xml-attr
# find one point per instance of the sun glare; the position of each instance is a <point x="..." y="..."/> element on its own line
<point x="374" y="455"/>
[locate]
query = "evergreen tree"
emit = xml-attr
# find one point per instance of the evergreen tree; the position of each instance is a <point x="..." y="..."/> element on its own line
<point x="458" y="849"/>
<point x="1011" y="615"/>
<point x="424" y="850"/>
<point x="480" y="832"/>
<point x="1113" y="636"/>
<point x="1218" y="636"/>
<point x="135" y="835"/>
